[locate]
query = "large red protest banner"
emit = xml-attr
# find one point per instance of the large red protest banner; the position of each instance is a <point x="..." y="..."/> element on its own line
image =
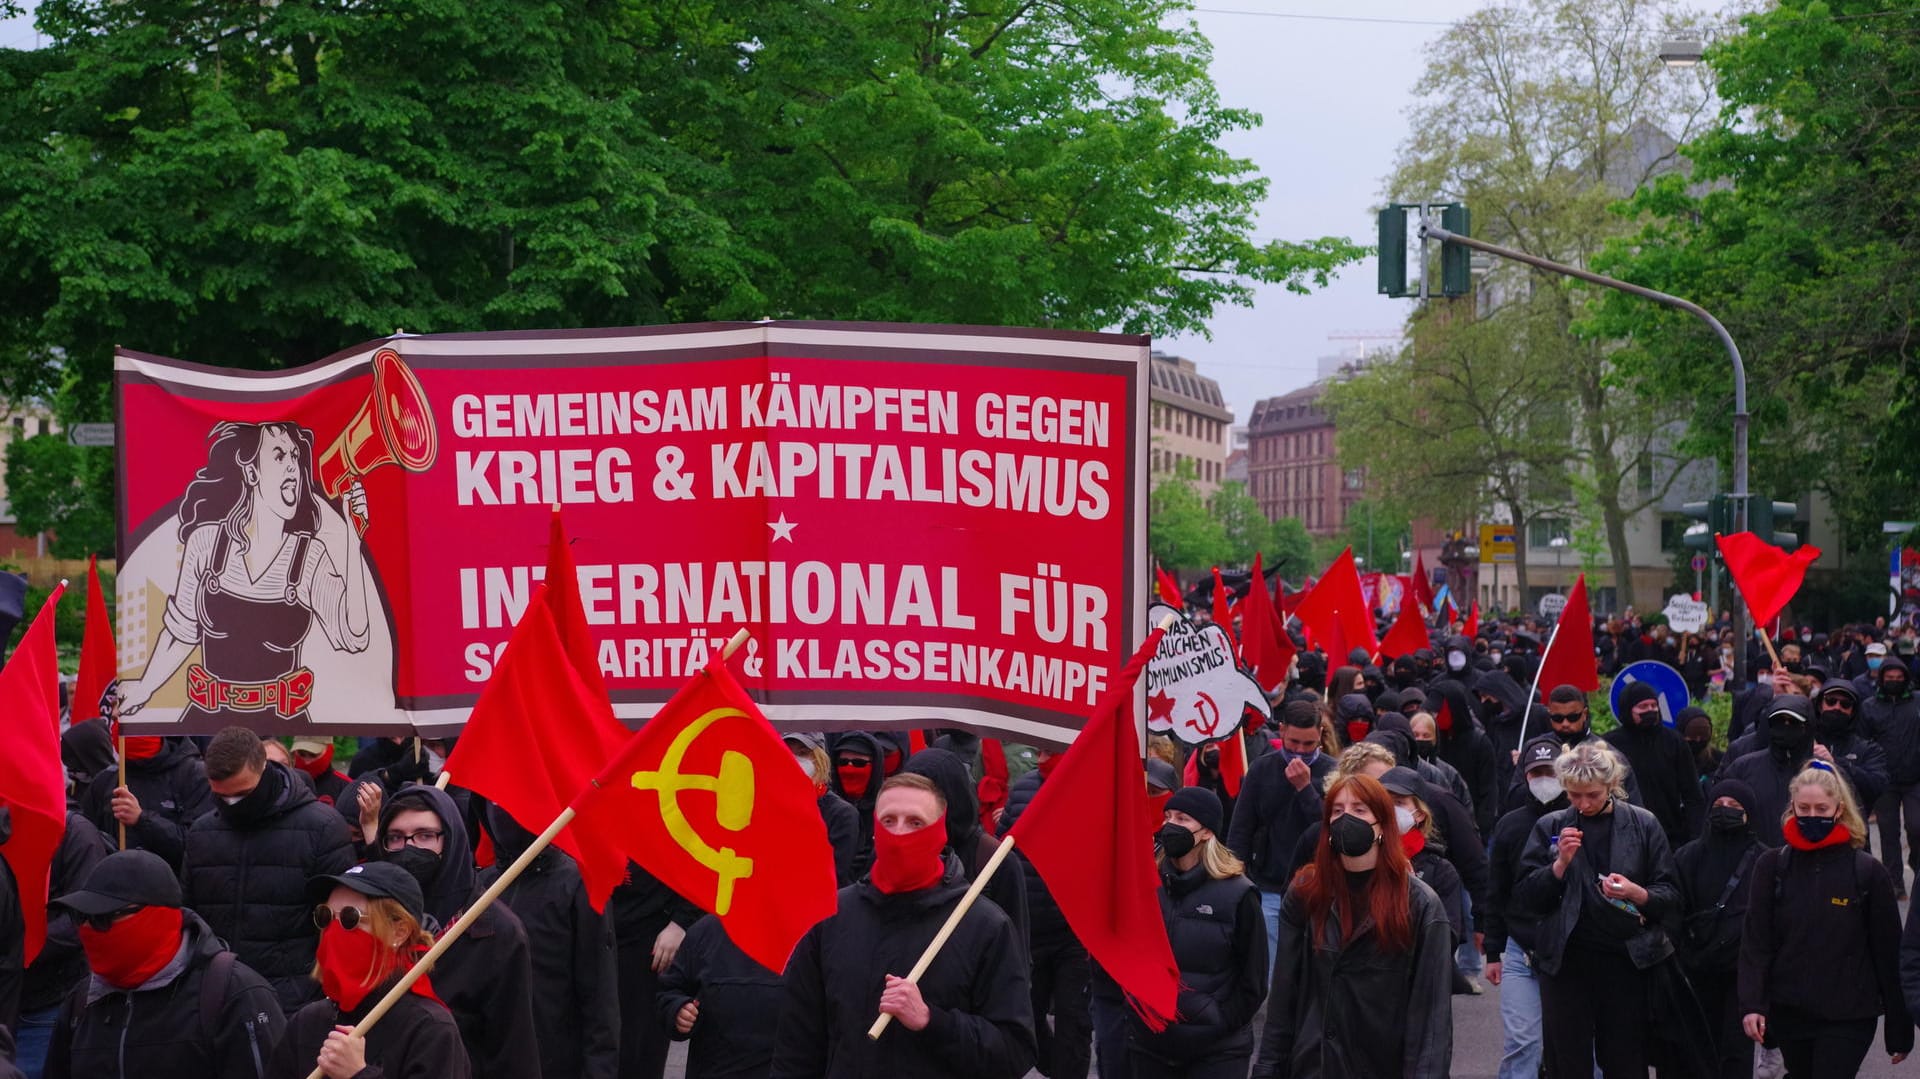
<point x="918" y="525"/>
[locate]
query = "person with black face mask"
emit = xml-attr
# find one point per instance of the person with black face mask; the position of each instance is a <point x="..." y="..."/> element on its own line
<point x="247" y="863"/>
<point x="1820" y="953"/>
<point x="1838" y="741"/>
<point x="486" y="977"/>
<point x="1789" y="724"/>
<point x="1509" y="941"/>
<point x="1279" y="800"/>
<point x="575" y="989"/>
<point x="1697" y="728"/>
<point x="1891" y="718"/>
<point x="1716" y="881"/>
<point x="1661" y="762"/>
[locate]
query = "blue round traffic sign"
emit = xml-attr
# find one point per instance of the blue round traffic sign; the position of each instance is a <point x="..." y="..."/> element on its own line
<point x="1665" y="681"/>
<point x="1699" y="562"/>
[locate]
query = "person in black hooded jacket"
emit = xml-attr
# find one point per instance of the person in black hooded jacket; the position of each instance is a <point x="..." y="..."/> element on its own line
<point x="1661" y="762"/>
<point x="166" y="792"/>
<point x="486" y="977"/>
<point x="576" y="1007"/>
<point x="970" y="1014"/>
<point x="720" y="999"/>
<point x="1792" y="745"/>
<point x="1891" y="717"/>
<point x="1716" y="884"/>
<point x="966" y="839"/>
<point x="842" y="821"/>
<point x="1509" y="941"/>
<point x="1464" y="745"/>
<point x="857" y="762"/>
<point x="141" y="1011"/>
<point x="248" y="862"/>
<point x="86" y="750"/>
<point x="1061" y="971"/>
<point x="1501" y="706"/>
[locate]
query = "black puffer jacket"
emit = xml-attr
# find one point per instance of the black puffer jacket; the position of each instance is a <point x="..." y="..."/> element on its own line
<point x="1219" y="940"/>
<point x="1639" y="853"/>
<point x="158" y="1031"/>
<point x="171" y="787"/>
<point x="576" y="1004"/>
<point x="967" y="840"/>
<point x="1355" y="1011"/>
<point x="486" y="977"/>
<point x="977" y="990"/>
<point x="249" y="880"/>
<point x="418" y="1039"/>
<point x="1046" y="926"/>
<point x="62" y="964"/>
<point x="732" y="1038"/>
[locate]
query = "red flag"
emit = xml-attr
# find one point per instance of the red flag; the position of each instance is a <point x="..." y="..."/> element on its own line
<point x="706" y="797"/>
<point x="1409" y="632"/>
<point x="33" y="784"/>
<point x="1223" y="610"/>
<point x="1263" y="649"/>
<point x="1422" y="584"/>
<point x="1100" y="873"/>
<point x="1767" y="576"/>
<point x="992" y="788"/>
<point x="1472" y="628"/>
<point x="1168" y="587"/>
<point x="538" y="735"/>
<point x="1570" y="658"/>
<point x="1336" y="611"/>
<point x="569" y="617"/>
<point x="1233" y="762"/>
<point x="99" y="665"/>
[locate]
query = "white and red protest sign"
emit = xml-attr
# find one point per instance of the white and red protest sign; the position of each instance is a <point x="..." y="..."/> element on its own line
<point x="938" y="526"/>
<point x="1195" y="687"/>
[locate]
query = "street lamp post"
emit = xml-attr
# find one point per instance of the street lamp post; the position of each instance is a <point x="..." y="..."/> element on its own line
<point x="1559" y="545"/>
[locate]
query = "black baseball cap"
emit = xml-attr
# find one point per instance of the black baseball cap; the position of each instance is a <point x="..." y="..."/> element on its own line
<point x="379" y="880"/>
<point x="1538" y="752"/>
<point x="128" y="878"/>
<point x="1403" y="781"/>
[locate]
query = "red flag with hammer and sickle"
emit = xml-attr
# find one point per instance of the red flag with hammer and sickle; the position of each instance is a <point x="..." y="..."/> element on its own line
<point x="708" y="799"/>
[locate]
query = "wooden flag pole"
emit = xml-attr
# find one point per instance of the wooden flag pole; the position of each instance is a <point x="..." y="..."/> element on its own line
<point x="953" y="922"/>
<point x="122" y="747"/>
<point x="1767" y="639"/>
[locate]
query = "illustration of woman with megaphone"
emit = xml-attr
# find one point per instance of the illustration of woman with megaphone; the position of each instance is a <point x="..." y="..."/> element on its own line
<point x="266" y="557"/>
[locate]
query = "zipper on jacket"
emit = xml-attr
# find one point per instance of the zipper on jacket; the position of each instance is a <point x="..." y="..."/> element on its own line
<point x="253" y="1044"/>
<point x="128" y="1026"/>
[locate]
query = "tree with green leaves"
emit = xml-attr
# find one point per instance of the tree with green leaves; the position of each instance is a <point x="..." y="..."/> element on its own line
<point x="1182" y="532"/>
<point x="1540" y="117"/>
<point x="260" y="185"/>
<point x="1799" y="234"/>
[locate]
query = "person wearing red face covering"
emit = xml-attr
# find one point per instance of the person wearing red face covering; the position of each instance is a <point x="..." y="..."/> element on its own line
<point x="166" y="792"/>
<point x="163" y="1000"/>
<point x="370" y="934"/>
<point x="857" y="761"/>
<point x="969" y="1015"/>
<point x="314" y="756"/>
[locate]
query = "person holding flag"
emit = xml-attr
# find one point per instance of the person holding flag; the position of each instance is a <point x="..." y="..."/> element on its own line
<point x="969" y="1015"/>
<point x="165" y="792"/>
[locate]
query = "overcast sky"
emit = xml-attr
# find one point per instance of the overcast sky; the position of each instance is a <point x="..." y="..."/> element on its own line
<point x="1332" y="80"/>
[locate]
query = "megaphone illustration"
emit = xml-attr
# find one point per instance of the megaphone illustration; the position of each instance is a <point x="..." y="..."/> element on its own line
<point x="393" y="427"/>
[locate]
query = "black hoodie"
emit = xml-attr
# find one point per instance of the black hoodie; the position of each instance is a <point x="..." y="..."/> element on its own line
<point x="171" y="787"/>
<point x="862" y="803"/>
<point x="965" y="838"/>
<point x="1663" y="766"/>
<point x="1894" y="722"/>
<point x="86" y="750"/>
<point x="1714" y="914"/>
<point x="1465" y="746"/>
<point x="485" y="977"/>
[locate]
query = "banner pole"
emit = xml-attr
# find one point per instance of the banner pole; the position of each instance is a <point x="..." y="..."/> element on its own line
<point x="121" y="745"/>
<point x="953" y="922"/>
<point x="457" y="930"/>
<point x="1767" y="639"/>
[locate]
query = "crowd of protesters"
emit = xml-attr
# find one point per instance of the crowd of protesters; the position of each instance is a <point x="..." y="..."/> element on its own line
<point x="1659" y="895"/>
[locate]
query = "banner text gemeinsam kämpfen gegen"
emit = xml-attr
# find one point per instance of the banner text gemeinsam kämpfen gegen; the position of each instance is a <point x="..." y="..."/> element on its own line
<point x="919" y="525"/>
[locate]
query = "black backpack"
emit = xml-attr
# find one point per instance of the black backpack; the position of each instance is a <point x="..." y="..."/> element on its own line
<point x="215" y="984"/>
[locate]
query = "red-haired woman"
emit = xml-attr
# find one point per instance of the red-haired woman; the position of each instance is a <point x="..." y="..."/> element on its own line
<point x="1363" y="976"/>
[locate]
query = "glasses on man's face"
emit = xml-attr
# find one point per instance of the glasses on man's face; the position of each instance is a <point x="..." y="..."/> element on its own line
<point x="425" y="838"/>
<point x="851" y="762"/>
<point x="349" y="917"/>
<point x="1845" y="704"/>
<point x="1567" y="717"/>
<point x="100" y="923"/>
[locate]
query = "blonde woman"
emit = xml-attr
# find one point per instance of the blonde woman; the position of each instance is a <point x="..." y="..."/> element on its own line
<point x="1599" y="879"/>
<point x="1220" y="942"/>
<point x="1819" y="960"/>
<point x="842" y="820"/>
<point x="370" y="934"/>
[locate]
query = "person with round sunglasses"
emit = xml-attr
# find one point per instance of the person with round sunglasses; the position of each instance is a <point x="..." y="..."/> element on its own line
<point x="153" y="969"/>
<point x="371" y="933"/>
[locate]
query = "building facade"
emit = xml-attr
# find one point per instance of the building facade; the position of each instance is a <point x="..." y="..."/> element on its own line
<point x="1188" y="420"/>
<point x="1292" y="468"/>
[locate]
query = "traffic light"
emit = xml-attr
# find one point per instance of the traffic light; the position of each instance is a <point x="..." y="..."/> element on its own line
<point x="1393" y="251"/>
<point x="1456" y="261"/>
<point x="1715" y="516"/>
<point x="1773" y="521"/>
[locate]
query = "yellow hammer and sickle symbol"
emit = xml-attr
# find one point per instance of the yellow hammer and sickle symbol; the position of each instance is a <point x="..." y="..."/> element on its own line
<point x="734" y="789"/>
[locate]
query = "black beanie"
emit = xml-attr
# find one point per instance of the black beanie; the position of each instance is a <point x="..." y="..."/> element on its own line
<point x="1202" y="805"/>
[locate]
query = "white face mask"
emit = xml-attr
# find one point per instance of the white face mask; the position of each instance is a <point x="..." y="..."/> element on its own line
<point x="1494" y="656"/>
<point x="1405" y="817"/>
<point x="1545" y="788"/>
<point x="232" y="799"/>
<point x="806" y="765"/>
<point x="1456" y="661"/>
<point x="435" y="762"/>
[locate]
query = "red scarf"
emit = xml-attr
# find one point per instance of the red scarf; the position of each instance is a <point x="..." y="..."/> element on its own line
<point x="855" y="779"/>
<point x="1835" y="838"/>
<point x="318" y="766"/>
<point x="133" y="949"/>
<point x="348" y="959"/>
<point x="910" y="861"/>
<point x="1357" y="730"/>
<point x="142" y="747"/>
<point x="1413" y="842"/>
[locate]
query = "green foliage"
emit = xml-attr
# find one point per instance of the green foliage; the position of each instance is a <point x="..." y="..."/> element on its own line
<point x="260" y="185"/>
<point x="66" y="490"/>
<point x="1244" y="527"/>
<point x="1182" y="533"/>
<point x="1800" y="235"/>
<point x="69" y="619"/>
<point x="1292" y="550"/>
